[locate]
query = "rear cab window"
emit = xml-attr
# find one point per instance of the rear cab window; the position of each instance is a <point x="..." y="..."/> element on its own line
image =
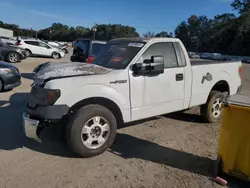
<point x="180" y="54"/>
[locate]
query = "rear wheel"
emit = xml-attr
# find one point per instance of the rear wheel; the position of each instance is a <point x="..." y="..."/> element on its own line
<point x="55" y="55"/>
<point x="13" y="57"/>
<point x="28" y="52"/>
<point x="91" y="131"/>
<point x="213" y="108"/>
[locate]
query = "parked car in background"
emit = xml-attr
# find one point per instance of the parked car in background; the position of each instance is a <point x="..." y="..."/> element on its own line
<point x="246" y="61"/>
<point x="9" y="76"/>
<point x="218" y="56"/>
<point x="7" y="40"/>
<point x="24" y="37"/>
<point x="40" y="48"/>
<point x="85" y="50"/>
<point x="206" y="56"/>
<point x="193" y="55"/>
<point x="54" y="44"/>
<point x="63" y="47"/>
<point x="12" y="54"/>
<point x="130" y="80"/>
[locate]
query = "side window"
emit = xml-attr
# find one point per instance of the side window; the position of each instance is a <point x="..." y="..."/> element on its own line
<point x="165" y="49"/>
<point x="34" y="43"/>
<point x="43" y="45"/>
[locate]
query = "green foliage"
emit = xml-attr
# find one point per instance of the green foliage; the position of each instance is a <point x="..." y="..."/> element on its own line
<point x="225" y="33"/>
<point x="243" y="6"/>
<point x="60" y="32"/>
<point x="148" y="34"/>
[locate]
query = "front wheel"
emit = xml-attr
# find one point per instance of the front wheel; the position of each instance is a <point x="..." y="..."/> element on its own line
<point x="91" y="131"/>
<point x="55" y="55"/>
<point x="213" y="108"/>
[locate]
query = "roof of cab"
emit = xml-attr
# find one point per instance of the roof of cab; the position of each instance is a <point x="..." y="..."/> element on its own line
<point x="153" y="39"/>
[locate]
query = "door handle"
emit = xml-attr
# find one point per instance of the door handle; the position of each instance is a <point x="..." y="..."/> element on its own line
<point x="179" y="77"/>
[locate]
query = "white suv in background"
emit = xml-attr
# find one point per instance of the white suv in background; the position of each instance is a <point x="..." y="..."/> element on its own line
<point x="40" y="48"/>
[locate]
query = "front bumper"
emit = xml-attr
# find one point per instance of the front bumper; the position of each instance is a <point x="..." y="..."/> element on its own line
<point x="11" y="80"/>
<point x="12" y="85"/>
<point x="30" y="127"/>
<point x="61" y="54"/>
<point x="51" y="113"/>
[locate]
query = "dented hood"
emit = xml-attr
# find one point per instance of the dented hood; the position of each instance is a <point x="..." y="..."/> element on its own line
<point x="50" y="71"/>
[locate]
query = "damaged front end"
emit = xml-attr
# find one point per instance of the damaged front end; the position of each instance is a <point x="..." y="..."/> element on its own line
<point x="41" y="109"/>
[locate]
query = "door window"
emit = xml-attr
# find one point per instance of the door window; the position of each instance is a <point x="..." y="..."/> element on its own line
<point x="165" y="49"/>
<point x="34" y="43"/>
<point x="43" y="45"/>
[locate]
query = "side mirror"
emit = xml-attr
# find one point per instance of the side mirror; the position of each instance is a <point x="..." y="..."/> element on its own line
<point x="153" y="66"/>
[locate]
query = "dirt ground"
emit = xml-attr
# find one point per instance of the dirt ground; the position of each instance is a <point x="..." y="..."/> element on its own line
<point x="171" y="151"/>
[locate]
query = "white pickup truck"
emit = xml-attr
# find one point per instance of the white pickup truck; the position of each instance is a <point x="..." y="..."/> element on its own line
<point x="130" y="79"/>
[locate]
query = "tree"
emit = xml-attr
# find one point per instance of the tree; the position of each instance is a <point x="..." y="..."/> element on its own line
<point x="149" y="34"/>
<point x="242" y="6"/>
<point x="162" y="34"/>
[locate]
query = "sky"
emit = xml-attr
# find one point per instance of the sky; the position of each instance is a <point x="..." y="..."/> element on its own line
<point x="144" y="15"/>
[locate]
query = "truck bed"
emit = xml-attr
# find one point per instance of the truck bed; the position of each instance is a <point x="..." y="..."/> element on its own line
<point x="196" y="62"/>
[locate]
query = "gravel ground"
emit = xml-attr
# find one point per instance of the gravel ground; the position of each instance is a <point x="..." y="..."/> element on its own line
<point x="176" y="150"/>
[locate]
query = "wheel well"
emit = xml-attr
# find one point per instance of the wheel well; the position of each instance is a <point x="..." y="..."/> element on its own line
<point x="221" y="86"/>
<point x="13" y="52"/>
<point x="54" y="52"/>
<point x="27" y="49"/>
<point x="112" y="106"/>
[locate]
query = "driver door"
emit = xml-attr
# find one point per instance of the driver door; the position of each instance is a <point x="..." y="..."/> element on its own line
<point x="158" y="94"/>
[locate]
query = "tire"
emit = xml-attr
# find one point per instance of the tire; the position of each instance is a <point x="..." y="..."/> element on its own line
<point x="82" y="133"/>
<point x="217" y="167"/>
<point x="213" y="108"/>
<point x="28" y="52"/>
<point x="1" y="85"/>
<point x="13" y="57"/>
<point x="55" y="55"/>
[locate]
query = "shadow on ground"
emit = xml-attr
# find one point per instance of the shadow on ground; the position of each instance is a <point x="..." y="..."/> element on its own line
<point x="131" y="147"/>
<point x="187" y="117"/>
<point x="128" y="147"/>
<point x="12" y="133"/>
<point x="125" y="146"/>
<point x="29" y="76"/>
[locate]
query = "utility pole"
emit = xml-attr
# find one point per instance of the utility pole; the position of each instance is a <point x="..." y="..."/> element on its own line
<point x="94" y="29"/>
<point x="50" y="33"/>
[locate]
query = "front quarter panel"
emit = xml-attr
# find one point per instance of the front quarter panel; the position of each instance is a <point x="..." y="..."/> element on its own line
<point x="76" y="89"/>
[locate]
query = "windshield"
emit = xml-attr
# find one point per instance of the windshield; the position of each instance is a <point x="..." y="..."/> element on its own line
<point x="118" y="54"/>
